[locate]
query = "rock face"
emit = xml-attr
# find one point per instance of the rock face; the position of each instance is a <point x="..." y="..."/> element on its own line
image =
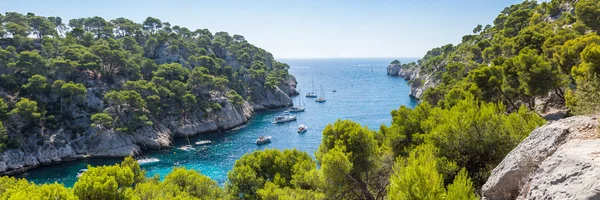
<point x="418" y="82"/>
<point x="59" y="146"/>
<point x="557" y="160"/>
<point x="571" y="173"/>
<point x="393" y="69"/>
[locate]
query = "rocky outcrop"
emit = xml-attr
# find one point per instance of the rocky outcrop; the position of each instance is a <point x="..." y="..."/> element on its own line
<point x="554" y="161"/>
<point x="393" y="69"/>
<point x="418" y="82"/>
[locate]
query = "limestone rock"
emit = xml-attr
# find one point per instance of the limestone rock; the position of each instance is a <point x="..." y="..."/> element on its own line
<point x="572" y="172"/>
<point x="420" y="83"/>
<point x="511" y="176"/>
<point x="393" y="69"/>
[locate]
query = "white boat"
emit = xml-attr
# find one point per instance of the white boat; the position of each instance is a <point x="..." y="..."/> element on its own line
<point x="263" y="140"/>
<point x="285" y="117"/>
<point x="302" y="128"/>
<point x="298" y="108"/>
<point x="203" y="142"/>
<point x="312" y="94"/>
<point x="147" y="161"/>
<point x="81" y="172"/>
<point x="186" y="148"/>
<point x="321" y="99"/>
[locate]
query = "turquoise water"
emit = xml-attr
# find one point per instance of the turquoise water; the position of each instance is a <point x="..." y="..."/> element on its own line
<point x="364" y="94"/>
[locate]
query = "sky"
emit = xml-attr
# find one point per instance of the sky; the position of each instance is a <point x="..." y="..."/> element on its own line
<point x="301" y="28"/>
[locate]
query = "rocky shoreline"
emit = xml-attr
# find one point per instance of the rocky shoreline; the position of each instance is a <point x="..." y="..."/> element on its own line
<point x="61" y="147"/>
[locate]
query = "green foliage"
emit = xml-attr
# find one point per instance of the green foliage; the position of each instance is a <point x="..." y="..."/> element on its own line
<point x="192" y="183"/>
<point x="36" y="85"/>
<point x="282" y="168"/>
<point x="102" y="121"/>
<point x="588" y="11"/>
<point x="478" y="135"/>
<point x="26" y="111"/>
<point x="3" y="137"/>
<point x="106" y="182"/>
<point x="462" y="187"/>
<point x="417" y="177"/>
<point x="586" y="98"/>
<point x="395" y="62"/>
<point x="234" y="97"/>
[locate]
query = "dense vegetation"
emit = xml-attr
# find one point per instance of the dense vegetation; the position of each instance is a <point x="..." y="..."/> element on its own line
<point x="538" y="55"/>
<point x="119" y="75"/>
<point x="445" y="148"/>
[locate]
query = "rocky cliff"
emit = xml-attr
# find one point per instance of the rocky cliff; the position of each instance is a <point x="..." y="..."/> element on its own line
<point x="418" y="82"/>
<point x="560" y="160"/>
<point x="60" y="146"/>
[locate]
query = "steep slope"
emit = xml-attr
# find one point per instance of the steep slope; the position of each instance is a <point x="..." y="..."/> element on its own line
<point x="530" y="55"/>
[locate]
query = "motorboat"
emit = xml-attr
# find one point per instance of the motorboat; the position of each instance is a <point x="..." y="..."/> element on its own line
<point x="186" y="148"/>
<point x="81" y="172"/>
<point x="285" y="117"/>
<point x="148" y="161"/>
<point x="203" y="142"/>
<point x="302" y="129"/>
<point x="263" y="140"/>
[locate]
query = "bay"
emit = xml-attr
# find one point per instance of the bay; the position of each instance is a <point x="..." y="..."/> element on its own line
<point x="364" y="93"/>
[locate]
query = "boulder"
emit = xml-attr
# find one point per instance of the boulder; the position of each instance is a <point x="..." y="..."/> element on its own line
<point x="513" y="173"/>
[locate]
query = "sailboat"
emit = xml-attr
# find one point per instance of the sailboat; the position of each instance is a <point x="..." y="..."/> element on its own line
<point x="298" y="108"/>
<point x="321" y="99"/>
<point x="187" y="147"/>
<point x="312" y="94"/>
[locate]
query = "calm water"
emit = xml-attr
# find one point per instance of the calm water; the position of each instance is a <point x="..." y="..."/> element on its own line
<point x="364" y="94"/>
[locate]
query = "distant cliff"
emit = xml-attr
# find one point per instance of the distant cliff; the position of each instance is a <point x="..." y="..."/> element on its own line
<point x="418" y="82"/>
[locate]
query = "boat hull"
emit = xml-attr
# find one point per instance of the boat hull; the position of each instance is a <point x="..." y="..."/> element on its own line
<point x="285" y="120"/>
<point x="295" y="110"/>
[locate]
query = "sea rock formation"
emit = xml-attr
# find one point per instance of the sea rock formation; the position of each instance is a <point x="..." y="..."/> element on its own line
<point x="556" y="161"/>
<point x="393" y="69"/>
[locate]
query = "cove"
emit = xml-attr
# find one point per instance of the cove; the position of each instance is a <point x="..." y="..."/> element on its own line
<point x="364" y="93"/>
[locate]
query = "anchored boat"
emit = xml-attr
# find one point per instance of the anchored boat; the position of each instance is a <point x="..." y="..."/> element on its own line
<point x="263" y="140"/>
<point x="148" y="161"/>
<point x="312" y="94"/>
<point x="285" y="117"/>
<point x="203" y="142"/>
<point x="302" y="128"/>
<point x="321" y="99"/>
<point x="298" y="108"/>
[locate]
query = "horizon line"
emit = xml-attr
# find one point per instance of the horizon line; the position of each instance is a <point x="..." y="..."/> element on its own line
<point x="341" y="57"/>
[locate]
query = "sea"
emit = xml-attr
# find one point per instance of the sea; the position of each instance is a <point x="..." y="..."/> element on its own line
<point x="363" y="93"/>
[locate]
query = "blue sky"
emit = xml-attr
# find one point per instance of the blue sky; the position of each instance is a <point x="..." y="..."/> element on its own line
<point x="302" y="29"/>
